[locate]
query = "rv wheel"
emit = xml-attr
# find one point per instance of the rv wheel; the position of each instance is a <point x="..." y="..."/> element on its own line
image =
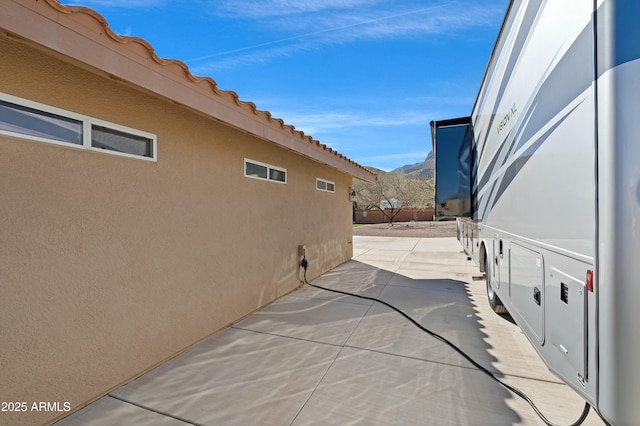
<point x="494" y="300"/>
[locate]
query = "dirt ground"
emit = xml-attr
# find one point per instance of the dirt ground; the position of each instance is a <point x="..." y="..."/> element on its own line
<point x="407" y="229"/>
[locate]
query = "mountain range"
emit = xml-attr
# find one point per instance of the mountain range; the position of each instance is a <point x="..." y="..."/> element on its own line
<point x="422" y="170"/>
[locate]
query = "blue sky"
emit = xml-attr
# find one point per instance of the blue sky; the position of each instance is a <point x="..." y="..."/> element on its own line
<point x="364" y="77"/>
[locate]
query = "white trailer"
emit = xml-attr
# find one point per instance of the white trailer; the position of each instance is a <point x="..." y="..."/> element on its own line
<point x="552" y="157"/>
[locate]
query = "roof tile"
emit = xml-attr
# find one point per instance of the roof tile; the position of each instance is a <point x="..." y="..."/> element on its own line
<point x="141" y="47"/>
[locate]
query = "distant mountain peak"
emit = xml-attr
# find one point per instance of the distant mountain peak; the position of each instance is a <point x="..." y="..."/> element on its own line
<point x="423" y="170"/>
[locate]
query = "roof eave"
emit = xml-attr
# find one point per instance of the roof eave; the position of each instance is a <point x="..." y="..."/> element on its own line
<point x="85" y="36"/>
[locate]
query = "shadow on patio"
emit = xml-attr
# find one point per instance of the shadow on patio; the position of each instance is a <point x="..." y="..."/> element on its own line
<point x="315" y="357"/>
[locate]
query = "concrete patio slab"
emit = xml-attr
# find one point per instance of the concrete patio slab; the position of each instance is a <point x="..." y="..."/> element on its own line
<point x="108" y="411"/>
<point x="319" y="358"/>
<point x="437" y="245"/>
<point x="371" y="388"/>
<point x="323" y="321"/>
<point x="235" y="377"/>
<point x="385" y="243"/>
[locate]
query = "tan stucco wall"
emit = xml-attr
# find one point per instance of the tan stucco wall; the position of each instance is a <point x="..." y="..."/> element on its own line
<point x="110" y="265"/>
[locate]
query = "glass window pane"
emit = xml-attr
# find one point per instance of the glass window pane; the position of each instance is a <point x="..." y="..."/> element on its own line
<point x="453" y="183"/>
<point x="255" y="170"/>
<point x="331" y="187"/>
<point x="278" y="175"/>
<point x="28" y="121"/>
<point x="114" y="140"/>
<point x="320" y="184"/>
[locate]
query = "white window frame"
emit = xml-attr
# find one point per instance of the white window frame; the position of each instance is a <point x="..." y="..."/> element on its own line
<point x="326" y="183"/>
<point x="269" y="168"/>
<point x="87" y="123"/>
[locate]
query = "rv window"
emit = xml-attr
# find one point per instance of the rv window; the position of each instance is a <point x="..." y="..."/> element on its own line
<point x="453" y="177"/>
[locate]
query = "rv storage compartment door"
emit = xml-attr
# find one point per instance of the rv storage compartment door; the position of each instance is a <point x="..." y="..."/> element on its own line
<point x="527" y="290"/>
<point x="566" y="302"/>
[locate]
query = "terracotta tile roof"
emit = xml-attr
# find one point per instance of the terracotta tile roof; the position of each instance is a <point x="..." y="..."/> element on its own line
<point x="92" y="20"/>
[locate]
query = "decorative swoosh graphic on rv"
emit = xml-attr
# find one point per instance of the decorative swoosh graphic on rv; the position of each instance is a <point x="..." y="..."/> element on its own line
<point x="564" y="83"/>
<point x="568" y="79"/>
<point x="524" y="31"/>
<point x="512" y="171"/>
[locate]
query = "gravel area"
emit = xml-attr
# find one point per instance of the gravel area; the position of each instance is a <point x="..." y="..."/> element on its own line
<point x="407" y="229"/>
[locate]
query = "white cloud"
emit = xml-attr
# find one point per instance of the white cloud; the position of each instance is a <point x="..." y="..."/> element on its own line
<point x="211" y="64"/>
<point x="344" y="26"/>
<point x="261" y="9"/>
<point x="320" y="122"/>
<point x="309" y="24"/>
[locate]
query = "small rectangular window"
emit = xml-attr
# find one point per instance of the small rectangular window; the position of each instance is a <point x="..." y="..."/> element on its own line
<point x="43" y="123"/>
<point x="114" y="140"/>
<point x="257" y="170"/>
<point x="279" y="175"/>
<point x="31" y="122"/>
<point x="325" y="185"/>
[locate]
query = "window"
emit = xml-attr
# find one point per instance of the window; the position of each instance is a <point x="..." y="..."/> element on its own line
<point x="105" y="138"/>
<point x="257" y="170"/>
<point x="325" y="185"/>
<point x="279" y="175"/>
<point x="28" y="121"/>
<point x="34" y="121"/>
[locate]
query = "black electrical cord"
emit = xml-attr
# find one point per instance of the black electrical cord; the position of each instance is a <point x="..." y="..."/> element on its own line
<point x="513" y="389"/>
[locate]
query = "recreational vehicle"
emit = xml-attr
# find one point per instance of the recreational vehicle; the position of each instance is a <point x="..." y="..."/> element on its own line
<point x="544" y="178"/>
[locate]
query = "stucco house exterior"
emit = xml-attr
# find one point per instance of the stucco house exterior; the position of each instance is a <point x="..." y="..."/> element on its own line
<point x="141" y="208"/>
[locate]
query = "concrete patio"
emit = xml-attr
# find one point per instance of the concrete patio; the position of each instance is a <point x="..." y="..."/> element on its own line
<point x="319" y="358"/>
